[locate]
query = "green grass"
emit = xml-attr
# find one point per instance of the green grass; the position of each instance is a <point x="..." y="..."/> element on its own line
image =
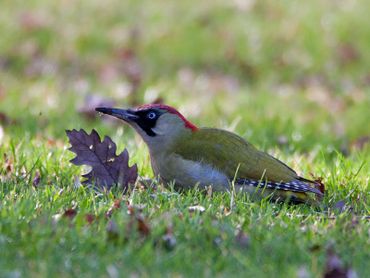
<point x="292" y="78"/>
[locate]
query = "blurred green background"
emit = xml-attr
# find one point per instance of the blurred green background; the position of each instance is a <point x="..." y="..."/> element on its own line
<point x="302" y="66"/>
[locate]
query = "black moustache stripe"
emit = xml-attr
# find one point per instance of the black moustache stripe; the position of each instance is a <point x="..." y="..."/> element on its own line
<point x="147" y="128"/>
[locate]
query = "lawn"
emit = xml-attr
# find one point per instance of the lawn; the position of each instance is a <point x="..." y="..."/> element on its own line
<point x="290" y="77"/>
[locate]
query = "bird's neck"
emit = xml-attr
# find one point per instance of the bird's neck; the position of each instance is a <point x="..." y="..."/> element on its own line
<point x="163" y="146"/>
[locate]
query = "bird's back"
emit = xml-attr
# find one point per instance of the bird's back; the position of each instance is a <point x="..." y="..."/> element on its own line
<point x="233" y="155"/>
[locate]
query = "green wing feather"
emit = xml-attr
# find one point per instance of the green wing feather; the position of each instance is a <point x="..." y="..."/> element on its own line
<point x="231" y="154"/>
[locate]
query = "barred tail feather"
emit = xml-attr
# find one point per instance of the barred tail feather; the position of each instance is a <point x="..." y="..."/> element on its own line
<point x="293" y="186"/>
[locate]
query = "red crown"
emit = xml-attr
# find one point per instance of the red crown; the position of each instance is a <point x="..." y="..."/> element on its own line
<point x="171" y="110"/>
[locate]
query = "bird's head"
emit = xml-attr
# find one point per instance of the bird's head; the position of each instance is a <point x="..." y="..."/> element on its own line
<point x="159" y="125"/>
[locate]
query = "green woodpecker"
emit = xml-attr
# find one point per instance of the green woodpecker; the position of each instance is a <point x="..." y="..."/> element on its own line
<point x="190" y="156"/>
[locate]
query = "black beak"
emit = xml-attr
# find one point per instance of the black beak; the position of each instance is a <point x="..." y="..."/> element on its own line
<point x="123" y="114"/>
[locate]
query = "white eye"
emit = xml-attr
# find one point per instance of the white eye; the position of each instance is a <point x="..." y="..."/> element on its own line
<point x="151" y="115"/>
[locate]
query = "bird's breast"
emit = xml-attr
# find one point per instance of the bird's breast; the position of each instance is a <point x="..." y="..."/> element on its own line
<point x="186" y="173"/>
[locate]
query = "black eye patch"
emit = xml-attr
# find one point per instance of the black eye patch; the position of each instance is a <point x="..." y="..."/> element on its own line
<point x="147" y="120"/>
<point x="151" y="115"/>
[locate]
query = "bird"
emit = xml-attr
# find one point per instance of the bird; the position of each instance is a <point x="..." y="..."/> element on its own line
<point x="188" y="156"/>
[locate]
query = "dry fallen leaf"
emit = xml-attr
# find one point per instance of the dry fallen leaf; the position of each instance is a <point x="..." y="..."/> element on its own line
<point x="90" y="218"/>
<point x="142" y="226"/>
<point x="70" y="213"/>
<point x="108" y="169"/>
<point x="137" y="221"/>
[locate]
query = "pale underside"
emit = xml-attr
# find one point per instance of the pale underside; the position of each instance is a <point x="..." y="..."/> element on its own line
<point x="187" y="174"/>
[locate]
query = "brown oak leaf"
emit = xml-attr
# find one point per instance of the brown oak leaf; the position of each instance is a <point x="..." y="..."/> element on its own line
<point x="108" y="169"/>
